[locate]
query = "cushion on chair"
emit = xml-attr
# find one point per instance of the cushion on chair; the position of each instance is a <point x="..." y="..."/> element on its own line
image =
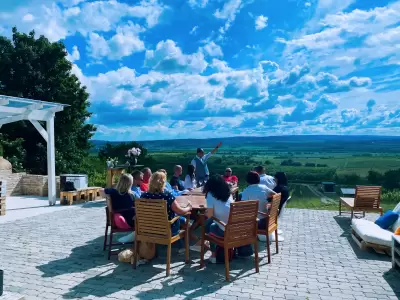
<point x="387" y="220"/>
<point x="372" y="233"/>
<point x="397" y="231"/>
<point x="120" y="222"/>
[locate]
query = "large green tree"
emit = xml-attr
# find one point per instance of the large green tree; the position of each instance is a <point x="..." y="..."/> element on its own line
<point x="35" y="68"/>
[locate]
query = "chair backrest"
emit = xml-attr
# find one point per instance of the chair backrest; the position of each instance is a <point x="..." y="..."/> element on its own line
<point x="242" y="223"/>
<point x="152" y="219"/>
<point x="109" y="211"/>
<point x="367" y="196"/>
<point x="274" y="210"/>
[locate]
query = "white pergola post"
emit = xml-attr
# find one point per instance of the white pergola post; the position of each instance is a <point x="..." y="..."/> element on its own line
<point x="51" y="160"/>
<point x="13" y="109"/>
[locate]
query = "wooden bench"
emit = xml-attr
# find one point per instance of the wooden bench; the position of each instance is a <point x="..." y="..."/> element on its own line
<point x="367" y="199"/>
<point x="79" y="196"/>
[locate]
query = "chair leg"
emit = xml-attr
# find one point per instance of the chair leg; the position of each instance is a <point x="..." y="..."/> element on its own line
<point x="352" y="214"/>
<point x="187" y="244"/>
<point x="340" y="207"/>
<point x="268" y="248"/>
<point x="202" y="239"/>
<point x="226" y="253"/>
<point x="276" y="241"/>
<point x="363" y="214"/>
<point x="105" y="238"/>
<point x="135" y="253"/>
<point x="168" y="259"/>
<point x="256" y="256"/>
<point x="110" y="245"/>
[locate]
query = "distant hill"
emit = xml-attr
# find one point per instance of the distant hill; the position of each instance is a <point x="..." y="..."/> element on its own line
<point x="297" y="143"/>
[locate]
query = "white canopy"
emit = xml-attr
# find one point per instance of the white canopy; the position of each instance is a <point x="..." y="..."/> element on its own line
<point x="13" y="109"/>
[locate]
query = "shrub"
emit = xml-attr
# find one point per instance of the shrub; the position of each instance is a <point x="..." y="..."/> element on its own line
<point x="391" y="196"/>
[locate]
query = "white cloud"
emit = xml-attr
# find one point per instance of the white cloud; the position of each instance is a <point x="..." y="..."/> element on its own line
<point x="261" y="22"/>
<point x="75" y="54"/>
<point x="194" y="30"/>
<point x="57" y="22"/>
<point x="321" y="40"/>
<point x="28" y="18"/>
<point x="212" y="49"/>
<point x="125" y="42"/>
<point x="229" y="11"/>
<point x="220" y="66"/>
<point x="198" y="3"/>
<point x="168" y="58"/>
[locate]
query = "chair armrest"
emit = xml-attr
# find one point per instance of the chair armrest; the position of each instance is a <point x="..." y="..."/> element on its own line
<point x="263" y="214"/>
<point x="174" y="220"/>
<point x="218" y="221"/>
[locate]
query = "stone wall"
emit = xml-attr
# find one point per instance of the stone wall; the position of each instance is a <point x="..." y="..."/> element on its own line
<point x="37" y="185"/>
<point x="28" y="184"/>
<point x="14" y="183"/>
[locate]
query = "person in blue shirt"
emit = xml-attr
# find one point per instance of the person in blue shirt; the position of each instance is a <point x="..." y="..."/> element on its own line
<point x="168" y="187"/>
<point x="137" y="180"/>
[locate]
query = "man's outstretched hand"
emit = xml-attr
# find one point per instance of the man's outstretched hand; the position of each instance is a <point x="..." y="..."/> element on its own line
<point x="219" y="144"/>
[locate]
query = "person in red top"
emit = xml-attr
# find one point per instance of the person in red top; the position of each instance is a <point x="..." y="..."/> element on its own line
<point x="144" y="186"/>
<point x="229" y="178"/>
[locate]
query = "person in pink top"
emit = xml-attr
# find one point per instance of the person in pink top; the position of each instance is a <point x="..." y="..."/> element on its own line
<point x="229" y="178"/>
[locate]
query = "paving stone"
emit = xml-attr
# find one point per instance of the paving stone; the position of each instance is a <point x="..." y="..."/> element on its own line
<point x="64" y="259"/>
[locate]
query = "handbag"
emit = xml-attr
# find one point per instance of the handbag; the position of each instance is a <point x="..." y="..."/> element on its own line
<point x="147" y="250"/>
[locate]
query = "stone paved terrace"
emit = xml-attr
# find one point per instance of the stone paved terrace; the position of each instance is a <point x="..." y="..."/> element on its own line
<point x="59" y="255"/>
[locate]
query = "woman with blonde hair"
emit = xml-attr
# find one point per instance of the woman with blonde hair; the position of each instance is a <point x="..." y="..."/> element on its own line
<point x="157" y="191"/>
<point x="122" y="197"/>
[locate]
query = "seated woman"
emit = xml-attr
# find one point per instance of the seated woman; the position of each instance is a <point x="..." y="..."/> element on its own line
<point x="281" y="187"/>
<point x="190" y="179"/>
<point x="122" y="197"/>
<point x="229" y="178"/>
<point x="257" y="191"/>
<point x="157" y="191"/>
<point x="218" y="198"/>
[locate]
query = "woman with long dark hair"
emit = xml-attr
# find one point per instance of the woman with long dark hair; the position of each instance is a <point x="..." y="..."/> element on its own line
<point x="219" y="198"/>
<point x="281" y="187"/>
<point x="190" y="178"/>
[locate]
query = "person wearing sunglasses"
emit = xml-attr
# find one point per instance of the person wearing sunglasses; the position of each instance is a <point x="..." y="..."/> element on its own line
<point x="229" y="178"/>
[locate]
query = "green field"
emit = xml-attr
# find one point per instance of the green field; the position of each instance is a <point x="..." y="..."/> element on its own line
<point x="345" y="160"/>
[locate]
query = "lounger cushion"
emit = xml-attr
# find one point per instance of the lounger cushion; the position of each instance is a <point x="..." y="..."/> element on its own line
<point x="372" y="233"/>
<point x="387" y="220"/>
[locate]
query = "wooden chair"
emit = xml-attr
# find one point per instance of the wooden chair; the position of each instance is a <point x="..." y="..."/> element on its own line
<point x="152" y="225"/>
<point x="241" y="230"/>
<point x="114" y="229"/>
<point x="367" y="199"/>
<point x="271" y="224"/>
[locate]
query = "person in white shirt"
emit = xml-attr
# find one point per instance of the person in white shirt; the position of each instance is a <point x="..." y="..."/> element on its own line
<point x="200" y="164"/>
<point x="257" y="191"/>
<point x="265" y="179"/>
<point x="218" y="198"/>
<point x="190" y="180"/>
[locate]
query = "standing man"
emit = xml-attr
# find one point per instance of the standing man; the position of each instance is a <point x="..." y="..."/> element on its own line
<point x="200" y="163"/>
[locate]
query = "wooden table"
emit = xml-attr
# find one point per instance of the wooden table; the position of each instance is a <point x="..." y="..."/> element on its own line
<point x="199" y="191"/>
<point x="199" y="207"/>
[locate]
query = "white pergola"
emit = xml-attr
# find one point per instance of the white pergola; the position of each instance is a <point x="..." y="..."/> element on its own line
<point x="13" y="109"/>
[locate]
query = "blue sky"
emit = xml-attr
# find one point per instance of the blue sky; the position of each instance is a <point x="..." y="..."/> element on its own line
<point x="211" y="68"/>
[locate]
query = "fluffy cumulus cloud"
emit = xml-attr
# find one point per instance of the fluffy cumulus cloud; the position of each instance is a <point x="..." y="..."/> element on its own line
<point x="261" y="22"/>
<point x="159" y="69"/>
<point x="169" y="58"/>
